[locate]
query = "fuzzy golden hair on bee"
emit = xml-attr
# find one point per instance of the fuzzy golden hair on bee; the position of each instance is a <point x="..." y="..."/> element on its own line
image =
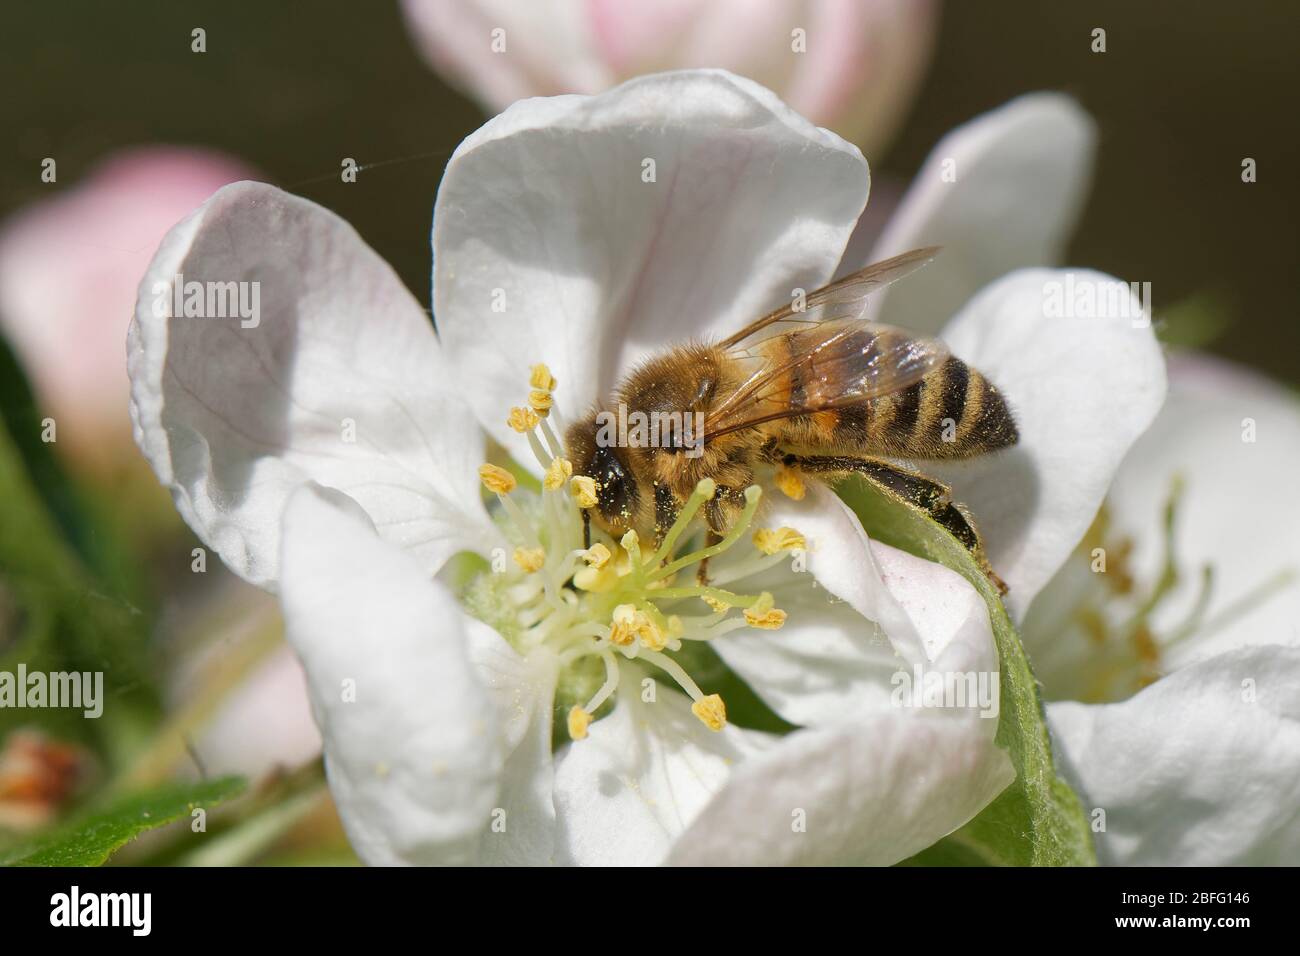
<point x="818" y="394"/>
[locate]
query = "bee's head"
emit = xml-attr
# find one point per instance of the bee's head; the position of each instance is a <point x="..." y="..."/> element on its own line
<point x="617" y="495"/>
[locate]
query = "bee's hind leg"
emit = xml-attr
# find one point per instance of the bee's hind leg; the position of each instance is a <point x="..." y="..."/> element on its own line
<point x="932" y="497"/>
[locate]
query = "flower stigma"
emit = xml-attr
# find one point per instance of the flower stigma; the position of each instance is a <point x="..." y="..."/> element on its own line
<point x="598" y="608"/>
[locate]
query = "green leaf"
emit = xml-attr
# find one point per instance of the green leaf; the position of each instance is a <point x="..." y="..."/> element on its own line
<point x="1038" y="820"/>
<point x="1197" y="321"/>
<point x="56" y="614"/>
<point x="97" y="837"/>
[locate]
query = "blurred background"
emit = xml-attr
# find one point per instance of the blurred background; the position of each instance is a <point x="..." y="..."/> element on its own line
<point x="96" y="571"/>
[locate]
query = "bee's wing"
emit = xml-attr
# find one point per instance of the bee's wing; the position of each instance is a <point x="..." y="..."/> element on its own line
<point x="832" y="365"/>
<point x="844" y="299"/>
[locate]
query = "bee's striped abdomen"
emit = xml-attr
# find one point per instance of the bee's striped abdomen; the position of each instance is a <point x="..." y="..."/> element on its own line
<point x="954" y="412"/>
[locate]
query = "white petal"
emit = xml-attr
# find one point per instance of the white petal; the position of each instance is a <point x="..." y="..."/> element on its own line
<point x="641" y="776"/>
<point x="871" y="791"/>
<point x="232" y="418"/>
<point x="523" y="692"/>
<point x="1191" y="771"/>
<point x="1081" y="390"/>
<point x="545" y="213"/>
<point x="413" y="760"/>
<point x="1021" y="172"/>
<point x="830" y="658"/>
<point x="1232" y="515"/>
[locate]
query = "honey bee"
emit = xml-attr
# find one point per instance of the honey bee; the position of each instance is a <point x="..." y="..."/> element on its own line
<point x="815" y="393"/>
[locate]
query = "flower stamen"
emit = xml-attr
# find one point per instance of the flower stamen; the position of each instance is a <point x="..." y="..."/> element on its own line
<point x="607" y="600"/>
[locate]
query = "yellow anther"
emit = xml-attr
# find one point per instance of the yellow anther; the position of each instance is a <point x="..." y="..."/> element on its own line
<point x="623" y="626"/>
<point x="769" y="620"/>
<point x="718" y="606"/>
<point x="557" y="473"/>
<point x="583" y="490"/>
<point x="782" y="539"/>
<point x="763" y="615"/>
<point x="579" y="721"/>
<point x="539" y="376"/>
<point x="790" y="482"/>
<point x="630" y="542"/>
<point x="711" y="711"/>
<point x="649" y="633"/>
<point x="706" y="487"/>
<point x="530" y="559"/>
<point x="596" y="580"/>
<point x="522" y="420"/>
<point x="496" y="479"/>
<point x="540" y="402"/>
<point x="597" y="556"/>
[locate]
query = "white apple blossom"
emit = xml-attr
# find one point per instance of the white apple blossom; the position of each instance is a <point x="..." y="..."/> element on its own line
<point x="346" y="416"/>
<point x="1169" y="643"/>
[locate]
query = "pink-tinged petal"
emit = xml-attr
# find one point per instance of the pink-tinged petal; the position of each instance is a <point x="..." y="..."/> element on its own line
<point x="411" y="734"/>
<point x="1081" y="388"/>
<point x="542" y="49"/>
<point x="549" y="246"/>
<point x="69" y="267"/>
<point x="1021" y="174"/>
<point x="337" y="379"/>
<point x="263" y="725"/>
<point x="849" y="65"/>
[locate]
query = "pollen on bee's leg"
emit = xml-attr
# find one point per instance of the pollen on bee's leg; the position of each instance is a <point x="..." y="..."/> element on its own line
<point x="790" y="483"/>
